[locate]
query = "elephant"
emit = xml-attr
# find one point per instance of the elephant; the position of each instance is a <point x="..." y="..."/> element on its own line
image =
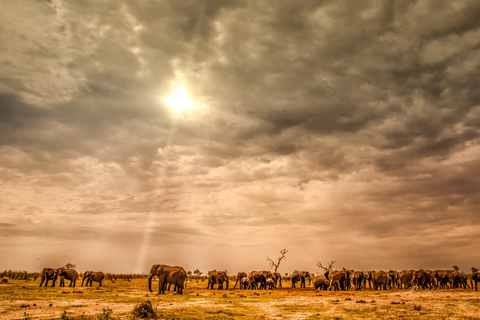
<point x="270" y="283"/>
<point x="277" y="277"/>
<point x="405" y="278"/>
<point x="93" y="276"/>
<point x="321" y="282"/>
<point x="49" y="274"/>
<point x="217" y="277"/>
<point x="245" y="283"/>
<point x="338" y="280"/>
<point x="424" y="279"/>
<point x="443" y="277"/>
<point x="392" y="278"/>
<point x="167" y="275"/>
<point x="358" y="279"/>
<point x="474" y="278"/>
<point x="300" y="276"/>
<point x="240" y="276"/>
<point x="69" y="274"/>
<point x="378" y="279"/>
<point x="460" y="280"/>
<point x="257" y="277"/>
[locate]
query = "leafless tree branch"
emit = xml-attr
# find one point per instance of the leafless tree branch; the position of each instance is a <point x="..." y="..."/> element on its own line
<point x="276" y="264"/>
<point x="328" y="268"/>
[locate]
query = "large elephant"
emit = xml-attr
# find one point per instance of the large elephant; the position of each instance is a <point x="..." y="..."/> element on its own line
<point x="405" y="278"/>
<point x="474" y="278"/>
<point x="256" y="277"/>
<point x="392" y="278"/>
<point x="338" y="280"/>
<point x="378" y="279"/>
<point x="300" y="276"/>
<point x="424" y="279"/>
<point x="217" y="277"/>
<point x="167" y="275"/>
<point x="321" y="283"/>
<point x="49" y="274"/>
<point x="460" y="280"/>
<point x="267" y="274"/>
<point x="93" y="276"/>
<point x="443" y="277"/>
<point x="277" y="277"/>
<point x="69" y="274"/>
<point x="240" y="276"/>
<point x="358" y="279"/>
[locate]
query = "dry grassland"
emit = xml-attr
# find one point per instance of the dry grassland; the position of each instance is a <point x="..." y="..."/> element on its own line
<point x="20" y="299"/>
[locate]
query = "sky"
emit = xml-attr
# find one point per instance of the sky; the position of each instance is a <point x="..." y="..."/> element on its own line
<point x="213" y="134"/>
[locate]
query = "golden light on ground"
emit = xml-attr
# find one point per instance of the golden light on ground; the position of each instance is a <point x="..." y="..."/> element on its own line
<point x="179" y="100"/>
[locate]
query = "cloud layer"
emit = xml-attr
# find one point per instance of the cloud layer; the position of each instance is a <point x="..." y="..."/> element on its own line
<point x="340" y="130"/>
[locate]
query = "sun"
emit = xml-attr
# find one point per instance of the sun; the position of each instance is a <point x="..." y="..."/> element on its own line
<point x="179" y="100"/>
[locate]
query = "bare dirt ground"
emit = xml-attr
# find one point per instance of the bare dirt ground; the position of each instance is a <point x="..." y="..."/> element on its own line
<point x="21" y="299"/>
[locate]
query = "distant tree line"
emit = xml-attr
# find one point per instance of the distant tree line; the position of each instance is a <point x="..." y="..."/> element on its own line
<point x="19" y="275"/>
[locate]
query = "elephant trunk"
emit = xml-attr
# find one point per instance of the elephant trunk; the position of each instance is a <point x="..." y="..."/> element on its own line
<point x="150" y="283"/>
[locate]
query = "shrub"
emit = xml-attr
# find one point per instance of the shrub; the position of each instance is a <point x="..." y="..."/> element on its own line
<point x="64" y="316"/>
<point x="106" y="314"/>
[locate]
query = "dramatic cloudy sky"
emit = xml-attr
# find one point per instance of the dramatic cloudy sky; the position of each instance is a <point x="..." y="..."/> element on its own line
<point x="340" y="130"/>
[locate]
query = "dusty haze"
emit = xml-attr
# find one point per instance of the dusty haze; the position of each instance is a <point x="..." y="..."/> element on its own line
<point x="340" y="130"/>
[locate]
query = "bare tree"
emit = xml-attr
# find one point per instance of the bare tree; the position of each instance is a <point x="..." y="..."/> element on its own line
<point x="328" y="268"/>
<point x="276" y="264"/>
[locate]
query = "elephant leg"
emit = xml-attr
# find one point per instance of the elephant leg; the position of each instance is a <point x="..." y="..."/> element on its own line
<point x="160" y="285"/>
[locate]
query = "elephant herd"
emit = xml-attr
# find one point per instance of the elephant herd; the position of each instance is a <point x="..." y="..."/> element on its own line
<point x="69" y="274"/>
<point x="331" y="280"/>
<point x="257" y="279"/>
<point x="376" y="280"/>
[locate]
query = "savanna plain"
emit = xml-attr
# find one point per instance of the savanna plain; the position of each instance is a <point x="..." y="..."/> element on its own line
<point x="24" y="299"/>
